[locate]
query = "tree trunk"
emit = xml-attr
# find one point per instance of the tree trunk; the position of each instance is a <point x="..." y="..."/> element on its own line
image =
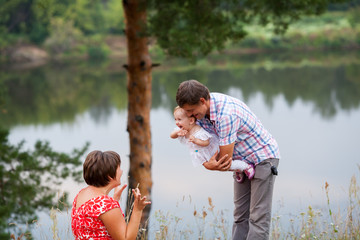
<point x="139" y="100"/>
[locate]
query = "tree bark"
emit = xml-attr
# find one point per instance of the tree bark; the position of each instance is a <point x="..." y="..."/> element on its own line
<point x="139" y="100"/>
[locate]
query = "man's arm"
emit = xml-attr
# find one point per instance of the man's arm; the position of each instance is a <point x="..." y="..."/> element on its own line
<point x="221" y="161"/>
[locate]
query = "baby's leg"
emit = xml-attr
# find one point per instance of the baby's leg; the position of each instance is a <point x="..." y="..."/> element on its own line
<point x="244" y="168"/>
<point x="238" y="165"/>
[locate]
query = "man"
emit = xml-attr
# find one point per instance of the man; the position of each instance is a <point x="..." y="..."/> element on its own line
<point x="242" y="137"/>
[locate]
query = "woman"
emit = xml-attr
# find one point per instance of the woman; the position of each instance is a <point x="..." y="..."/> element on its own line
<point x="97" y="215"/>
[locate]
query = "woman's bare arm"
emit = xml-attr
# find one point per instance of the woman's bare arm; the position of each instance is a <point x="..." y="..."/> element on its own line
<point x="115" y="223"/>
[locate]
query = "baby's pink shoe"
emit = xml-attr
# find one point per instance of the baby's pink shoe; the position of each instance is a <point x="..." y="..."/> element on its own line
<point x="249" y="172"/>
<point x="240" y="177"/>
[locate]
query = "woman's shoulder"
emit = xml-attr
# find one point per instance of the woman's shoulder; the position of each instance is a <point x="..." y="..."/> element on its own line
<point x="97" y="205"/>
<point x="88" y="197"/>
<point x="104" y="201"/>
<point x="84" y="196"/>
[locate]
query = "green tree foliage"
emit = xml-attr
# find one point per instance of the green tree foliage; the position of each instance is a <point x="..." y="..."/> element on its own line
<point x="192" y="29"/>
<point x="28" y="180"/>
<point x="31" y="19"/>
<point x="63" y="36"/>
<point x="97" y="16"/>
<point x="344" y="6"/>
<point x="355" y="17"/>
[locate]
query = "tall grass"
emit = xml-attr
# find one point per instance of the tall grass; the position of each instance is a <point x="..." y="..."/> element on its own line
<point x="324" y="223"/>
<point x="312" y="223"/>
<point x="210" y="223"/>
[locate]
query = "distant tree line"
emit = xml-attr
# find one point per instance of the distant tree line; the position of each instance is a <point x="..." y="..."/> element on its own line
<point x="34" y="21"/>
<point x="343" y="6"/>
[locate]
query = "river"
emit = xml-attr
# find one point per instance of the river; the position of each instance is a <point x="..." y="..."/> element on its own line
<point x="309" y="102"/>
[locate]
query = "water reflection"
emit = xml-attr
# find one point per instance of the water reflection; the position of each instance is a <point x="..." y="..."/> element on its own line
<point x="57" y="93"/>
<point x="309" y="103"/>
<point x="329" y="89"/>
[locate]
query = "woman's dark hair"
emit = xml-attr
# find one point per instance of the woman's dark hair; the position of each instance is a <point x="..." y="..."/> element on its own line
<point x="190" y="92"/>
<point x="99" y="167"/>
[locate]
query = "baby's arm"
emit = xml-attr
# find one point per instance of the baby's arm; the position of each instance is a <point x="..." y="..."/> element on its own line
<point x="202" y="143"/>
<point x="174" y="134"/>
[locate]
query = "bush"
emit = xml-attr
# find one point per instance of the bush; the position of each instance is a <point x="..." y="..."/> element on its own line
<point x="98" y="52"/>
<point x="354" y="18"/>
<point x="63" y="36"/>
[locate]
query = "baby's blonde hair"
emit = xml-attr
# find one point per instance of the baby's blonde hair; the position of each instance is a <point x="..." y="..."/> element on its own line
<point x="179" y="108"/>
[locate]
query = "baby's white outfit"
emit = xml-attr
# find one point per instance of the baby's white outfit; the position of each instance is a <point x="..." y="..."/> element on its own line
<point x="198" y="153"/>
<point x="201" y="154"/>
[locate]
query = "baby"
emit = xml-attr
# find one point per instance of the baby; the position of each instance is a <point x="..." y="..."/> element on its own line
<point x="203" y="145"/>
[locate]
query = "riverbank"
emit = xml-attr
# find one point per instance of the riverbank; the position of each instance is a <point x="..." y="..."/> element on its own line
<point x="330" y="31"/>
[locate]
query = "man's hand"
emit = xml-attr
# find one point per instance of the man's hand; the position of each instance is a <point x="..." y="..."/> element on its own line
<point x="223" y="164"/>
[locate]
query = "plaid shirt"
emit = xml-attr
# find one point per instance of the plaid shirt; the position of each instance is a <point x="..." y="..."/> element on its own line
<point x="233" y="121"/>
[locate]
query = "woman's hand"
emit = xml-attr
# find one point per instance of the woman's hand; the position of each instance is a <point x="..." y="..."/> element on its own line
<point x="118" y="191"/>
<point x="115" y="222"/>
<point x="139" y="202"/>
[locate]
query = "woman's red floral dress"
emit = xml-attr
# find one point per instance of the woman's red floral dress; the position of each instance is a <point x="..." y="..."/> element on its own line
<point x="85" y="222"/>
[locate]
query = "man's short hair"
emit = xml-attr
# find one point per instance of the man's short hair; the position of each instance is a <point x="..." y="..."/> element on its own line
<point x="100" y="167"/>
<point x="190" y="92"/>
